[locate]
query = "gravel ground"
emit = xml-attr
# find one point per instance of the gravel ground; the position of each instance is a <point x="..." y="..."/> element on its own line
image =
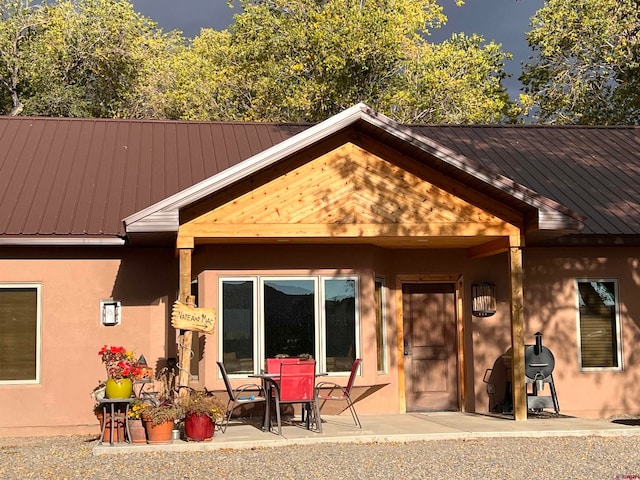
<point x="492" y="458"/>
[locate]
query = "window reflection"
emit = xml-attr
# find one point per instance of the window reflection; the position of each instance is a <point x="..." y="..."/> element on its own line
<point x="237" y="328"/>
<point x="289" y="317"/>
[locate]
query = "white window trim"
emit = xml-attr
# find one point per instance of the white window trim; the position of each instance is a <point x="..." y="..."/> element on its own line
<point x="38" y="288"/>
<point x="258" y="321"/>
<point x="618" y="325"/>
<point x="317" y="328"/>
<point x="323" y="320"/>
<point x="256" y="325"/>
<point x="383" y="310"/>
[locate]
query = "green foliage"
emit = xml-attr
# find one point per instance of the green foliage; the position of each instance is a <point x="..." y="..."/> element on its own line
<point x="20" y="23"/>
<point x="305" y="60"/>
<point x="586" y="66"/>
<point x="76" y="58"/>
<point x="282" y="60"/>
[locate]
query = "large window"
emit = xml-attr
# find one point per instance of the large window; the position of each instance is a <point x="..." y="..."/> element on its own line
<point x="19" y="333"/>
<point x="598" y="324"/>
<point x="262" y="317"/>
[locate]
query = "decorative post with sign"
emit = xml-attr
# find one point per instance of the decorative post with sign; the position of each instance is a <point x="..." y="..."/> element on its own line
<point x="188" y="319"/>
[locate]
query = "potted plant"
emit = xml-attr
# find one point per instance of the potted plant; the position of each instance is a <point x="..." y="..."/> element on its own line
<point x="136" y="427"/>
<point x="202" y="409"/>
<point x="118" y="426"/>
<point x="120" y="366"/>
<point x="159" y="421"/>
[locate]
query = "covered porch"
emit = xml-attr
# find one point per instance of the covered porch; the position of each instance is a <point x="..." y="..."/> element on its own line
<point x="361" y="189"/>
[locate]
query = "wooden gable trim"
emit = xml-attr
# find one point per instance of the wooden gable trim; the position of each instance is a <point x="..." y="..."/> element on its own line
<point x="446" y="182"/>
<point x="346" y="193"/>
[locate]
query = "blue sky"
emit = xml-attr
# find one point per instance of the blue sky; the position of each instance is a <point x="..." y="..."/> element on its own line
<point x="504" y="21"/>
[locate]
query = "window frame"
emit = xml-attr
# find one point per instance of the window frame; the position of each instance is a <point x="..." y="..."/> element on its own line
<point x="617" y="324"/>
<point x="381" y="350"/>
<point x="257" y="329"/>
<point x="38" y="347"/>
<point x="258" y="298"/>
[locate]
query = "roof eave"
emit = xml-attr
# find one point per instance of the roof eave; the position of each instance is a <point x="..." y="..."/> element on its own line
<point x="62" y="241"/>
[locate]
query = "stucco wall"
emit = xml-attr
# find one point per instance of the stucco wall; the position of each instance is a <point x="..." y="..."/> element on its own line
<point x="550" y="307"/>
<point x="145" y="281"/>
<point x="485" y="339"/>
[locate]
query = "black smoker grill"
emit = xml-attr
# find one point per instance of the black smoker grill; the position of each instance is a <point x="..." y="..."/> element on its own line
<point x="538" y="368"/>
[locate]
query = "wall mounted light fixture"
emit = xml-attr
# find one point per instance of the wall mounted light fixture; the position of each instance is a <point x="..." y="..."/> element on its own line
<point x="110" y="312"/>
<point x="483" y="296"/>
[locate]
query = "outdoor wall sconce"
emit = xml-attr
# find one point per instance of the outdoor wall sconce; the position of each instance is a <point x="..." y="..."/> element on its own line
<point x="110" y="312"/>
<point x="483" y="296"/>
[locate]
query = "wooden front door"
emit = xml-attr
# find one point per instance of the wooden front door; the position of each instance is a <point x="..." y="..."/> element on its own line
<point x="429" y="315"/>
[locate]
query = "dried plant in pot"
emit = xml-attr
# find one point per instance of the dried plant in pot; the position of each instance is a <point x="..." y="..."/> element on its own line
<point x="202" y="409"/>
<point x="164" y="412"/>
<point x="159" y="421"/>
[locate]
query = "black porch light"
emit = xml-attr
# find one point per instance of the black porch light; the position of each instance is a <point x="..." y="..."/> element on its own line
<point x="483" y="296"/>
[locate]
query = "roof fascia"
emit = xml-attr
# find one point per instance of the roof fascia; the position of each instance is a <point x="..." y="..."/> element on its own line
<point x="61" y="242"/>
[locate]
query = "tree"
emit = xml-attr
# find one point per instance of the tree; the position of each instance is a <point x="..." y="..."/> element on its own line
<point x="19" y="22"/>
<point x="90" y="58"/>
<point x="586" y="68"/>
<point x="84" y="58"/>
<point x="305" y="60"/>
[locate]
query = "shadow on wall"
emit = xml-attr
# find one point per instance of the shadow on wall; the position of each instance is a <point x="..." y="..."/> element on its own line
<point x="145" y="275"/>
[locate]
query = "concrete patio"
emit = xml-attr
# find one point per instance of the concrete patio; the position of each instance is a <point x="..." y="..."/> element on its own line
<point x="388" y="428"/>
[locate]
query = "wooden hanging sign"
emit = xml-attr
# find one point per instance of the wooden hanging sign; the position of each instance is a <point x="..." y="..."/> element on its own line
<point x="186" y="317"/>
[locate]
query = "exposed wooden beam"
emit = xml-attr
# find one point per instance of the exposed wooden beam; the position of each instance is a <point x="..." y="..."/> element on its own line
<point x="460" y="341"/>
<point x="493" y="247"/>
<point x="517" y="329"/>
<point x="185" y="242"/>
<point x="345" y="230"/>
<point x="402" y="398"/>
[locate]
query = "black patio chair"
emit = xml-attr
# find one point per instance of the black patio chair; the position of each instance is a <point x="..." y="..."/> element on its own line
<point x="249" y="393"/>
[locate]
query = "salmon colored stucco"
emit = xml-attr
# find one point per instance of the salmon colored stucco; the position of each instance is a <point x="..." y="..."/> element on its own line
<point x="145" y="282"/>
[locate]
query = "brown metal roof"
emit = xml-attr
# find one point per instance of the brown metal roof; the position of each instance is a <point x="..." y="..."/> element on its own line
<point x="594" y="171"/>
<point x="81" y="177"/>
<point x="63" y="177"/>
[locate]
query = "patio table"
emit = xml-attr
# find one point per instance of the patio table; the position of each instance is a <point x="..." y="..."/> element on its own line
<point x="268" y="381"/>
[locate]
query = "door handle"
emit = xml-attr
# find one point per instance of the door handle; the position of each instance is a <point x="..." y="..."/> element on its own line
<point x="406" y="348"/>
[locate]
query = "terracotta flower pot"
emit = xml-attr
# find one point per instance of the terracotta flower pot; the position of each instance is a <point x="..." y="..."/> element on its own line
<point x="198" y="427"/>
<point x="118" y="429"/>
<point x="138" y="432"/>
<point x="160" y="433"/>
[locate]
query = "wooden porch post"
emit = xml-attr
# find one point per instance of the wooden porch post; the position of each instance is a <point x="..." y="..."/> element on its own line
<point x="517" y="329"/>
<point x="185" y="336"/>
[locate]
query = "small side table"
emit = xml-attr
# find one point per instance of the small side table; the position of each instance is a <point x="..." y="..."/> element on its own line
<point x="114" y="411"/>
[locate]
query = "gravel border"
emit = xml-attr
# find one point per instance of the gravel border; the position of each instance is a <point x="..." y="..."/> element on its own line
<point x="66" y="458"/>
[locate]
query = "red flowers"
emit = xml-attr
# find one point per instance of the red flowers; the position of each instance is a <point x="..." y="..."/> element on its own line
<point x="118" y="362"/>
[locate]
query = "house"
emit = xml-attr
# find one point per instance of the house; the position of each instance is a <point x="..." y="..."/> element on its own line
<point x="355" y="237"/>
